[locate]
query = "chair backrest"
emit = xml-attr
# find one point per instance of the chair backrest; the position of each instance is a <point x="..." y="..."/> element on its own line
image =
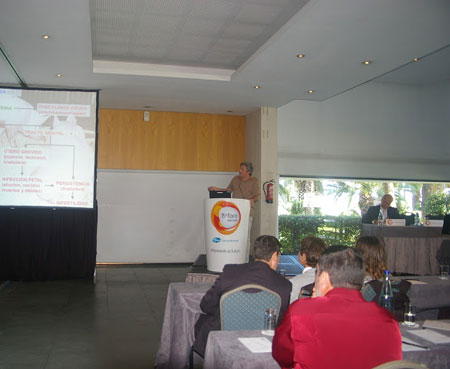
<point x="243" y="307"/>
<point x="401" y="364"/>
<point x="306" y="291"/>
<point x="401" y="290"/>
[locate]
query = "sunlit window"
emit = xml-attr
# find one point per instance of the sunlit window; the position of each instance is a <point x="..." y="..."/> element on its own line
<point x="332" y="208"/>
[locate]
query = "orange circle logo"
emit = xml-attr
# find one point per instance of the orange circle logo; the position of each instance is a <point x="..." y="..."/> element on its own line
<point x="226" y="217"/>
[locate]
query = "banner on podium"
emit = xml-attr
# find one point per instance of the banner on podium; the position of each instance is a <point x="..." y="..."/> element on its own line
<point x="226" y="232"/>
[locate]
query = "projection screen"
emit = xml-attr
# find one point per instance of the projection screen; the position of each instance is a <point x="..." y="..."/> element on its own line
<point x="47" y="147"/>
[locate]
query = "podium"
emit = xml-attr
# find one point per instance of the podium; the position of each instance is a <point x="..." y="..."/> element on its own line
<point x="226" y="232"/>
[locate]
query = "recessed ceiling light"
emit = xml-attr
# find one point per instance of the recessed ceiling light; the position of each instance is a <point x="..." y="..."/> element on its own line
<point x="256" y="86"/>
<point x="310" y="91"/>
<point x="59" y="75"/>
<point x="367" y="62"/>
<point x="45" y="37"/>
<point x="300" y="56"/>
<point x="416" y="59"/>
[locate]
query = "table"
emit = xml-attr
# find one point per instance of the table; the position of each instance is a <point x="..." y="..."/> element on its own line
<point x="200" y="274"/>
<point x="409" y="249"/>
<point x="183" y="308"/>
<point x="434" y="294"/>
<point x="180" y="315"/>
<point x="225" y="351"/>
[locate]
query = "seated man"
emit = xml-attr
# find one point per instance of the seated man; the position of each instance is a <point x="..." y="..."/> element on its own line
<point x="266" y="253"/>
<point x="309" y="253"/>
<point x="338" y="328"/>
<point x="388" y="212"/>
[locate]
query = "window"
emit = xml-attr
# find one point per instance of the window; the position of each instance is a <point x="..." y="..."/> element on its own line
<point x="332" y="208"/>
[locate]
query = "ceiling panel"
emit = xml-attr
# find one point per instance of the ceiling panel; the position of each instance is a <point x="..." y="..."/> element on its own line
<point x="233" y="35"/>
<point x="214" y="23"/>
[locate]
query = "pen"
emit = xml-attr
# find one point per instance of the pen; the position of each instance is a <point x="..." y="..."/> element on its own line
<point x="416" y="345"/>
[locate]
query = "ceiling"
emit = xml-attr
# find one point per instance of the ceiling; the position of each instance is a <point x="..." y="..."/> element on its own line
<point x="207" y="55"/>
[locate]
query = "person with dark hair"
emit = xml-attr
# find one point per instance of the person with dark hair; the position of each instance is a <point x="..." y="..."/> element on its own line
<point x="338" y="328"/>
<point x="372" y="251"/>
<point x="309" y="253"/>
<point x="387" y="210"/>
<point x="262" y="271"/>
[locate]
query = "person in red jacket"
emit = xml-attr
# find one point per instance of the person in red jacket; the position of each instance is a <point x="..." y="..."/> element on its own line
<point x="337" y="329"/>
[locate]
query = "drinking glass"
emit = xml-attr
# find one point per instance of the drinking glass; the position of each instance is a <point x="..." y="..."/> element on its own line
<point x="409" y="317"/>
<point x="282" y="272"/>
<point x="444" y="272"/>
<point x="270" y="319"/>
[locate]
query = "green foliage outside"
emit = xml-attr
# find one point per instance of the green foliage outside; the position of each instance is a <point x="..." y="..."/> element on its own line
<point x="437" y="204"/>
<point x="332" y="229"/>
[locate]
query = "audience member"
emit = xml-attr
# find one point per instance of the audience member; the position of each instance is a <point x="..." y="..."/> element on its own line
<point x="309" y="253"/>
<point x="388" y="212"/>
<point x="262" y="271"/>
<point x="337" y="329"/>
<point x="372" y="251"/>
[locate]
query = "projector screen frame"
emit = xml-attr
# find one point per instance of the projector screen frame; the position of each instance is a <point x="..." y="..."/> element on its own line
<point x="92" y="170"/>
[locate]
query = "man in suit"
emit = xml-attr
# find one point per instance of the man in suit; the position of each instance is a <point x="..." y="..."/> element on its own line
<point x="388" y="212"/>
<point x="262" y="271"/>
<point x="338" y="328"/>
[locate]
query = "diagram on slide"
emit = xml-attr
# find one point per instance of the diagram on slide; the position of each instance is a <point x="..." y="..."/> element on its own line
<point x="47" y="147"/>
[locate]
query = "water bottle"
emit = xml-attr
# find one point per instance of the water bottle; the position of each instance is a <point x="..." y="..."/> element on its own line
<point x="416" y="219"/>
<point x="380" y="218"/>
<point x="386" y="298"/>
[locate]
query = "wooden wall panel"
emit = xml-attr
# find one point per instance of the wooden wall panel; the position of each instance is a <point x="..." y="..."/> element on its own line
<point x="170" y="141"/>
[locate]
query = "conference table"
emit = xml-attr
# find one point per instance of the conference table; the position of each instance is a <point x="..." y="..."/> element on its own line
<point x="225" y="351"/>
<point x="409" y="249"/>
<point x="180" y="315"/>
<point x="183" y="309"/>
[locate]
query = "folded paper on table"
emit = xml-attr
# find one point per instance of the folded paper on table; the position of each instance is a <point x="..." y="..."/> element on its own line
<point x="443" y="324"/>
<point x="257" y="344"/>
<point x="434" y="223"/>
<point x="396" y="222"/>
<point x="415" y="281"/>
<point x="431" y="335"/>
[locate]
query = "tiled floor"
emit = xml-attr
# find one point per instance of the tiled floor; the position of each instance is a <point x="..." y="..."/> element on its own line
<point x="114" y="323"/>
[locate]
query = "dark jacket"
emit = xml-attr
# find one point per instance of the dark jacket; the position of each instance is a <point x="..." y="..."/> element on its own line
<point x="235" y="275"/>
<point x="373" y="212"/>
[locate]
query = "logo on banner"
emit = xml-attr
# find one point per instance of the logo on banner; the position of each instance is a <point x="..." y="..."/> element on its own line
<point x="226" y="217"/>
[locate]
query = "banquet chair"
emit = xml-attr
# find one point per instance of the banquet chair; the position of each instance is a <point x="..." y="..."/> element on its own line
<point x="401" y="364"/>
<point x="243" y="307"/>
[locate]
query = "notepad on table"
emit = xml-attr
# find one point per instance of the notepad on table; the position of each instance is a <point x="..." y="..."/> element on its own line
<point x="257" y="344"/>
<point x="415" y="281"/>
<point x="443" y="324"/>
<point x="431" y="336"/>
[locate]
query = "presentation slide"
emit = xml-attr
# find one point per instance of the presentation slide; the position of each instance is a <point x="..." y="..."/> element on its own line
<point x="47" y="147"/>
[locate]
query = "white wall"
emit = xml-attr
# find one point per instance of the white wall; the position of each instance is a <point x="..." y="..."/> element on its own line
<point x="152" y="216"/>
<point x="377" y="130"/>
